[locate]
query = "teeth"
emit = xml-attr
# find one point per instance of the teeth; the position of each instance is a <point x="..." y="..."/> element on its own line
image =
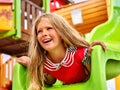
<point x="46" y="40"/>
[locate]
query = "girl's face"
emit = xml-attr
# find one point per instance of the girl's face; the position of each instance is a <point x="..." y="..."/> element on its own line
<point x="47" y="36"/>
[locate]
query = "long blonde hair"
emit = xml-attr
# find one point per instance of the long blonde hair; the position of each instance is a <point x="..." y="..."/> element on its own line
<point x="69" y="36"/>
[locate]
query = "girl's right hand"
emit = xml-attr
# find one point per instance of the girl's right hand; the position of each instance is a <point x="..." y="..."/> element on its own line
<point x="24" y="60"/>
<point x="96" y="42"/>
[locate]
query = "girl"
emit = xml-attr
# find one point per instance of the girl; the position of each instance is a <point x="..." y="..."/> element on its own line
<point x="56" y="51"/>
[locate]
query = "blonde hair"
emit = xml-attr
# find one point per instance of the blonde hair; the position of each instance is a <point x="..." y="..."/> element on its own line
<point x="69" y="36"/>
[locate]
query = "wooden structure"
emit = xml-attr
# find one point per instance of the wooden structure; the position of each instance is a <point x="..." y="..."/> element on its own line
<point x="6" y="69"/>
<point x="93" y="12"/>
<point x="19" y="47"/>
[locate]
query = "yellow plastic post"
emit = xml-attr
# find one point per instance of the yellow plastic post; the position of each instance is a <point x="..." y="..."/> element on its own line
<point x="117" y="82"/>
<point x="0" y="70"/>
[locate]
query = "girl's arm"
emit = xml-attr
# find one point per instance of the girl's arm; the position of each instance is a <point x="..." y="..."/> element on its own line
<point x="25" y="60"/>
<point x="87" y="61"/>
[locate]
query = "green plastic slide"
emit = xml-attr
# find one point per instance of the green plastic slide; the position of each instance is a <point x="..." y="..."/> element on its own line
<point x="105" y="65"/>
<point x="109" y="33"/>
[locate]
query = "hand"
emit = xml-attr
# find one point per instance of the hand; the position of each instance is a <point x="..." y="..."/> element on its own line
<point x="90" y="48"/>
<point x="24" y="60"/>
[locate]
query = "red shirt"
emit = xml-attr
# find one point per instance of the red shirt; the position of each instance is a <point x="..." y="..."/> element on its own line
<point x="70" y="69"/>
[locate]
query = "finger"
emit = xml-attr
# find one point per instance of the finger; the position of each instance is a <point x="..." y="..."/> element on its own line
<point x="89" y="51"/>
<point x="23" y="62"/>
<point x="103" y="46"/>
<point x="99" y="43"/>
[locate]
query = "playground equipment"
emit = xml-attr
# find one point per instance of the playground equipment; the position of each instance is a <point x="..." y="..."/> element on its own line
<point x="6" y="69"/>
<point x="6" y="16"/>
<point x="117" y="81"/>
<point x="110" y="35"/>
<point x="105" y="65"/>
<point x="86" y="15"/>
<point x="10" y="21"/>
<point x="15" y="41"/>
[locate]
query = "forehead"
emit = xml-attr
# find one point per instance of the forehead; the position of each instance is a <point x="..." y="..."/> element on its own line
<point x="43" y="23"/>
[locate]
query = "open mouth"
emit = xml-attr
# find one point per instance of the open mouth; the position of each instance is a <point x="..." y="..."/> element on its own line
<point x="47" y="40"/>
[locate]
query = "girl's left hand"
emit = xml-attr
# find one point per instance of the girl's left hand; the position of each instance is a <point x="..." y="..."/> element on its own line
<point x="90" y="48"/>
<point x="24" y="60"/>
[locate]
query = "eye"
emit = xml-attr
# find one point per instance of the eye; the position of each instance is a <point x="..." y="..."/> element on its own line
<point x="39" y="31"/>
<point x="49" y="28"/>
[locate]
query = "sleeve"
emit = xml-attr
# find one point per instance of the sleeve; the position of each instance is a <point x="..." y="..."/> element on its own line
<point x="81" y="54"/>
<point x="87" y="59"/>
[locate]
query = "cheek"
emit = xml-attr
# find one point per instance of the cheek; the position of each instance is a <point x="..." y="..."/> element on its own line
<point x="58" y="39"/>
<point x="39" y="38"/>
<point x="58" y="36"/>
<point x="55" y="34"/>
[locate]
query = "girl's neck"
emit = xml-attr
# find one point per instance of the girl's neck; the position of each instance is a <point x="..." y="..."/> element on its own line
<point x="57" y="55"/>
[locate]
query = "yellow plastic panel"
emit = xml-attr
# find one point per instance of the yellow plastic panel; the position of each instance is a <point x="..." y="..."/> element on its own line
<point x="6" y="17"/>
<point x="117" y="81"/>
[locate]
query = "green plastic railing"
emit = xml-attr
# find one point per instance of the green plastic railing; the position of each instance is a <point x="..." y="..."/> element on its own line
<point x="46" y="5"/>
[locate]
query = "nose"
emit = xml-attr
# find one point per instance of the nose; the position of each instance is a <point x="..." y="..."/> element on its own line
<point x="44" y="33"/>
